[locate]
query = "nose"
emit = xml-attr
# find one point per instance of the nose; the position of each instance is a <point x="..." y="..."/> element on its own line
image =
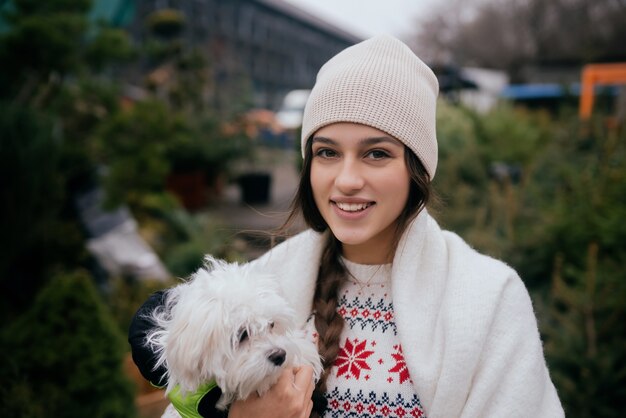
<point x="277" y="357"/>
<point x="349" y="178"/>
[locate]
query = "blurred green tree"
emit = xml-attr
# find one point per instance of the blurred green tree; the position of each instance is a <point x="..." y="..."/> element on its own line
<point x="181" y="76"/>
<point x="63" y="357"/>
<point x="46" y="42"/>
<point x="41" y="46"/>
<point x="484" y="164"/>
<point x="133" y="147"/>
<point x="50" y="104"/>
<point x="582" y="244"/>
<point x="38" y="233"/>
<point x="461" y="178"/>
<point x="560" y="224"/>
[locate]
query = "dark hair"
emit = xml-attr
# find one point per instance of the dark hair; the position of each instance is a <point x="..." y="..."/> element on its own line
<point x="329" y="324"/>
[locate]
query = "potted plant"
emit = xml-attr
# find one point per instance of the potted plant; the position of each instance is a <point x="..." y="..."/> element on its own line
<point x="201" y="161"/>
<point x="255" y="178"/>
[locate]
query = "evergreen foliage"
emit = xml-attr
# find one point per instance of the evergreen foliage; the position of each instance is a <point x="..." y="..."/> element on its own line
<point x="461" y="172"/>
<point x="583" y="246"/>
<point x="37" y="235"/>
<point x="49" y="108"/>
<point x="554" y="209"/>
<point x="133" y="146"/>
<point x="63" y="357"/>
<point x="483" y="174"/>
<point x="44" y="36"/>
<point x="198" y="235"/>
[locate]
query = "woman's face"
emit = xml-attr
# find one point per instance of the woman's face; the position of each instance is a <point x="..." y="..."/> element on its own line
<point x="360" y="184"/>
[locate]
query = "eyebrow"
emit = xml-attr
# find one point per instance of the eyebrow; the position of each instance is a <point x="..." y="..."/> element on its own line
<point x="365" y="141"/>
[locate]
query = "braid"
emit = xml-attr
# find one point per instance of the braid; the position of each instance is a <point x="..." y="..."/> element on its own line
<point x="328" y="322"/>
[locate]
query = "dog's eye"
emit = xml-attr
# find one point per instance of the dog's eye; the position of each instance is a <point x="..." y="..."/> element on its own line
<point x="243" y="336"/>
<point x="271" y="325"/>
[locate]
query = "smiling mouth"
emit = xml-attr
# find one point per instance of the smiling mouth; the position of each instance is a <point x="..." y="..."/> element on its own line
<point x="353" y="207"/>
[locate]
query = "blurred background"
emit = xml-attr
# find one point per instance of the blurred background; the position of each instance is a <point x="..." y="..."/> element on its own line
<point x="137" y="136"/>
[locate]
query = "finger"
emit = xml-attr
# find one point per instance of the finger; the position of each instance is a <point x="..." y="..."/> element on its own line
<point x="307" y="411"/>
<point x="285" y="379"/>
<point x="311" y="386"/>
<point x="304" y="378"/>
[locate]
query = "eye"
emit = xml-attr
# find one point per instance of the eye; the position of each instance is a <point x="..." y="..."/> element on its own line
<point x="325" y="153"/>
<point x="377" y="154"/>
<point x="271" y="325"/>
<point x="243" y="336"/>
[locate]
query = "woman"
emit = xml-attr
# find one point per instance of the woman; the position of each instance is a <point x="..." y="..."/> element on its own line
<point x="410" y="320"/>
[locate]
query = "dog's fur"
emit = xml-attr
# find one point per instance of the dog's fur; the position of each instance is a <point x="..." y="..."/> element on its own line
<point x="228" y="323"/>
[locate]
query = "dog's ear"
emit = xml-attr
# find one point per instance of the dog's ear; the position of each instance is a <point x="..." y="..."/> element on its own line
<point x="196" y="337"/>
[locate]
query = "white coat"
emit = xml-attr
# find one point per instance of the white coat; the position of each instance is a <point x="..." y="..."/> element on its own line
<point x="465" y="322"/>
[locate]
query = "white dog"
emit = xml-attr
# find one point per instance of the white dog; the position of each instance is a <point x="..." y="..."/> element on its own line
<point x="228" y="324"/>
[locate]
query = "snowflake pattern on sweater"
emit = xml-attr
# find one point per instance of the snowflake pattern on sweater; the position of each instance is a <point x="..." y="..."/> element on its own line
<point x="370" y="377"/>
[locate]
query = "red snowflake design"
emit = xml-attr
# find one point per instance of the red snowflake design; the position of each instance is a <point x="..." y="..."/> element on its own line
<point x="400" y="411"/>
<point x="352" y="359"/>
<point x="400" y="366"/>
<point x="417" y="413"/>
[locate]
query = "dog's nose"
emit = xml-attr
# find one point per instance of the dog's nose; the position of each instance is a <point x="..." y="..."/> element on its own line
<point x="277" y="357"/>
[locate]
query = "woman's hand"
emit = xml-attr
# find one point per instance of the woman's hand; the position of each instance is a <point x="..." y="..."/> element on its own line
<point x="290" y="397"/>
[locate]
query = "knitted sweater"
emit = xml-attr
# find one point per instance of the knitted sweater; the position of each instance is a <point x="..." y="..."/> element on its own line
<point x="465" y="323"/>
<point x="370" y="377"/>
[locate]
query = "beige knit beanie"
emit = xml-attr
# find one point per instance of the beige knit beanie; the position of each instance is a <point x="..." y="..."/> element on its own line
<point x="381" y="83"/>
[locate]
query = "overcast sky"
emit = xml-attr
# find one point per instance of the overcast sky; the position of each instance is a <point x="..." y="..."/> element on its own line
<point x="366" y="18"/>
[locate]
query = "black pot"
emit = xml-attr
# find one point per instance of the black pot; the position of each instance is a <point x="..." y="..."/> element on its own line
<point x="255" y="187"/>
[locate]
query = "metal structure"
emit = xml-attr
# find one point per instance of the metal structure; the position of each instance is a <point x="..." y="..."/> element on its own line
<point x="594" y="75"/>
<point x="275" y="45"/>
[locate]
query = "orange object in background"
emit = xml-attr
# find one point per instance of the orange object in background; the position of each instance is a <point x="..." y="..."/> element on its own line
<point x="598" y="74"/>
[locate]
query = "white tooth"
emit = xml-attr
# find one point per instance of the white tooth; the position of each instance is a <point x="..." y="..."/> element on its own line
<point x="352" y="207"/>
